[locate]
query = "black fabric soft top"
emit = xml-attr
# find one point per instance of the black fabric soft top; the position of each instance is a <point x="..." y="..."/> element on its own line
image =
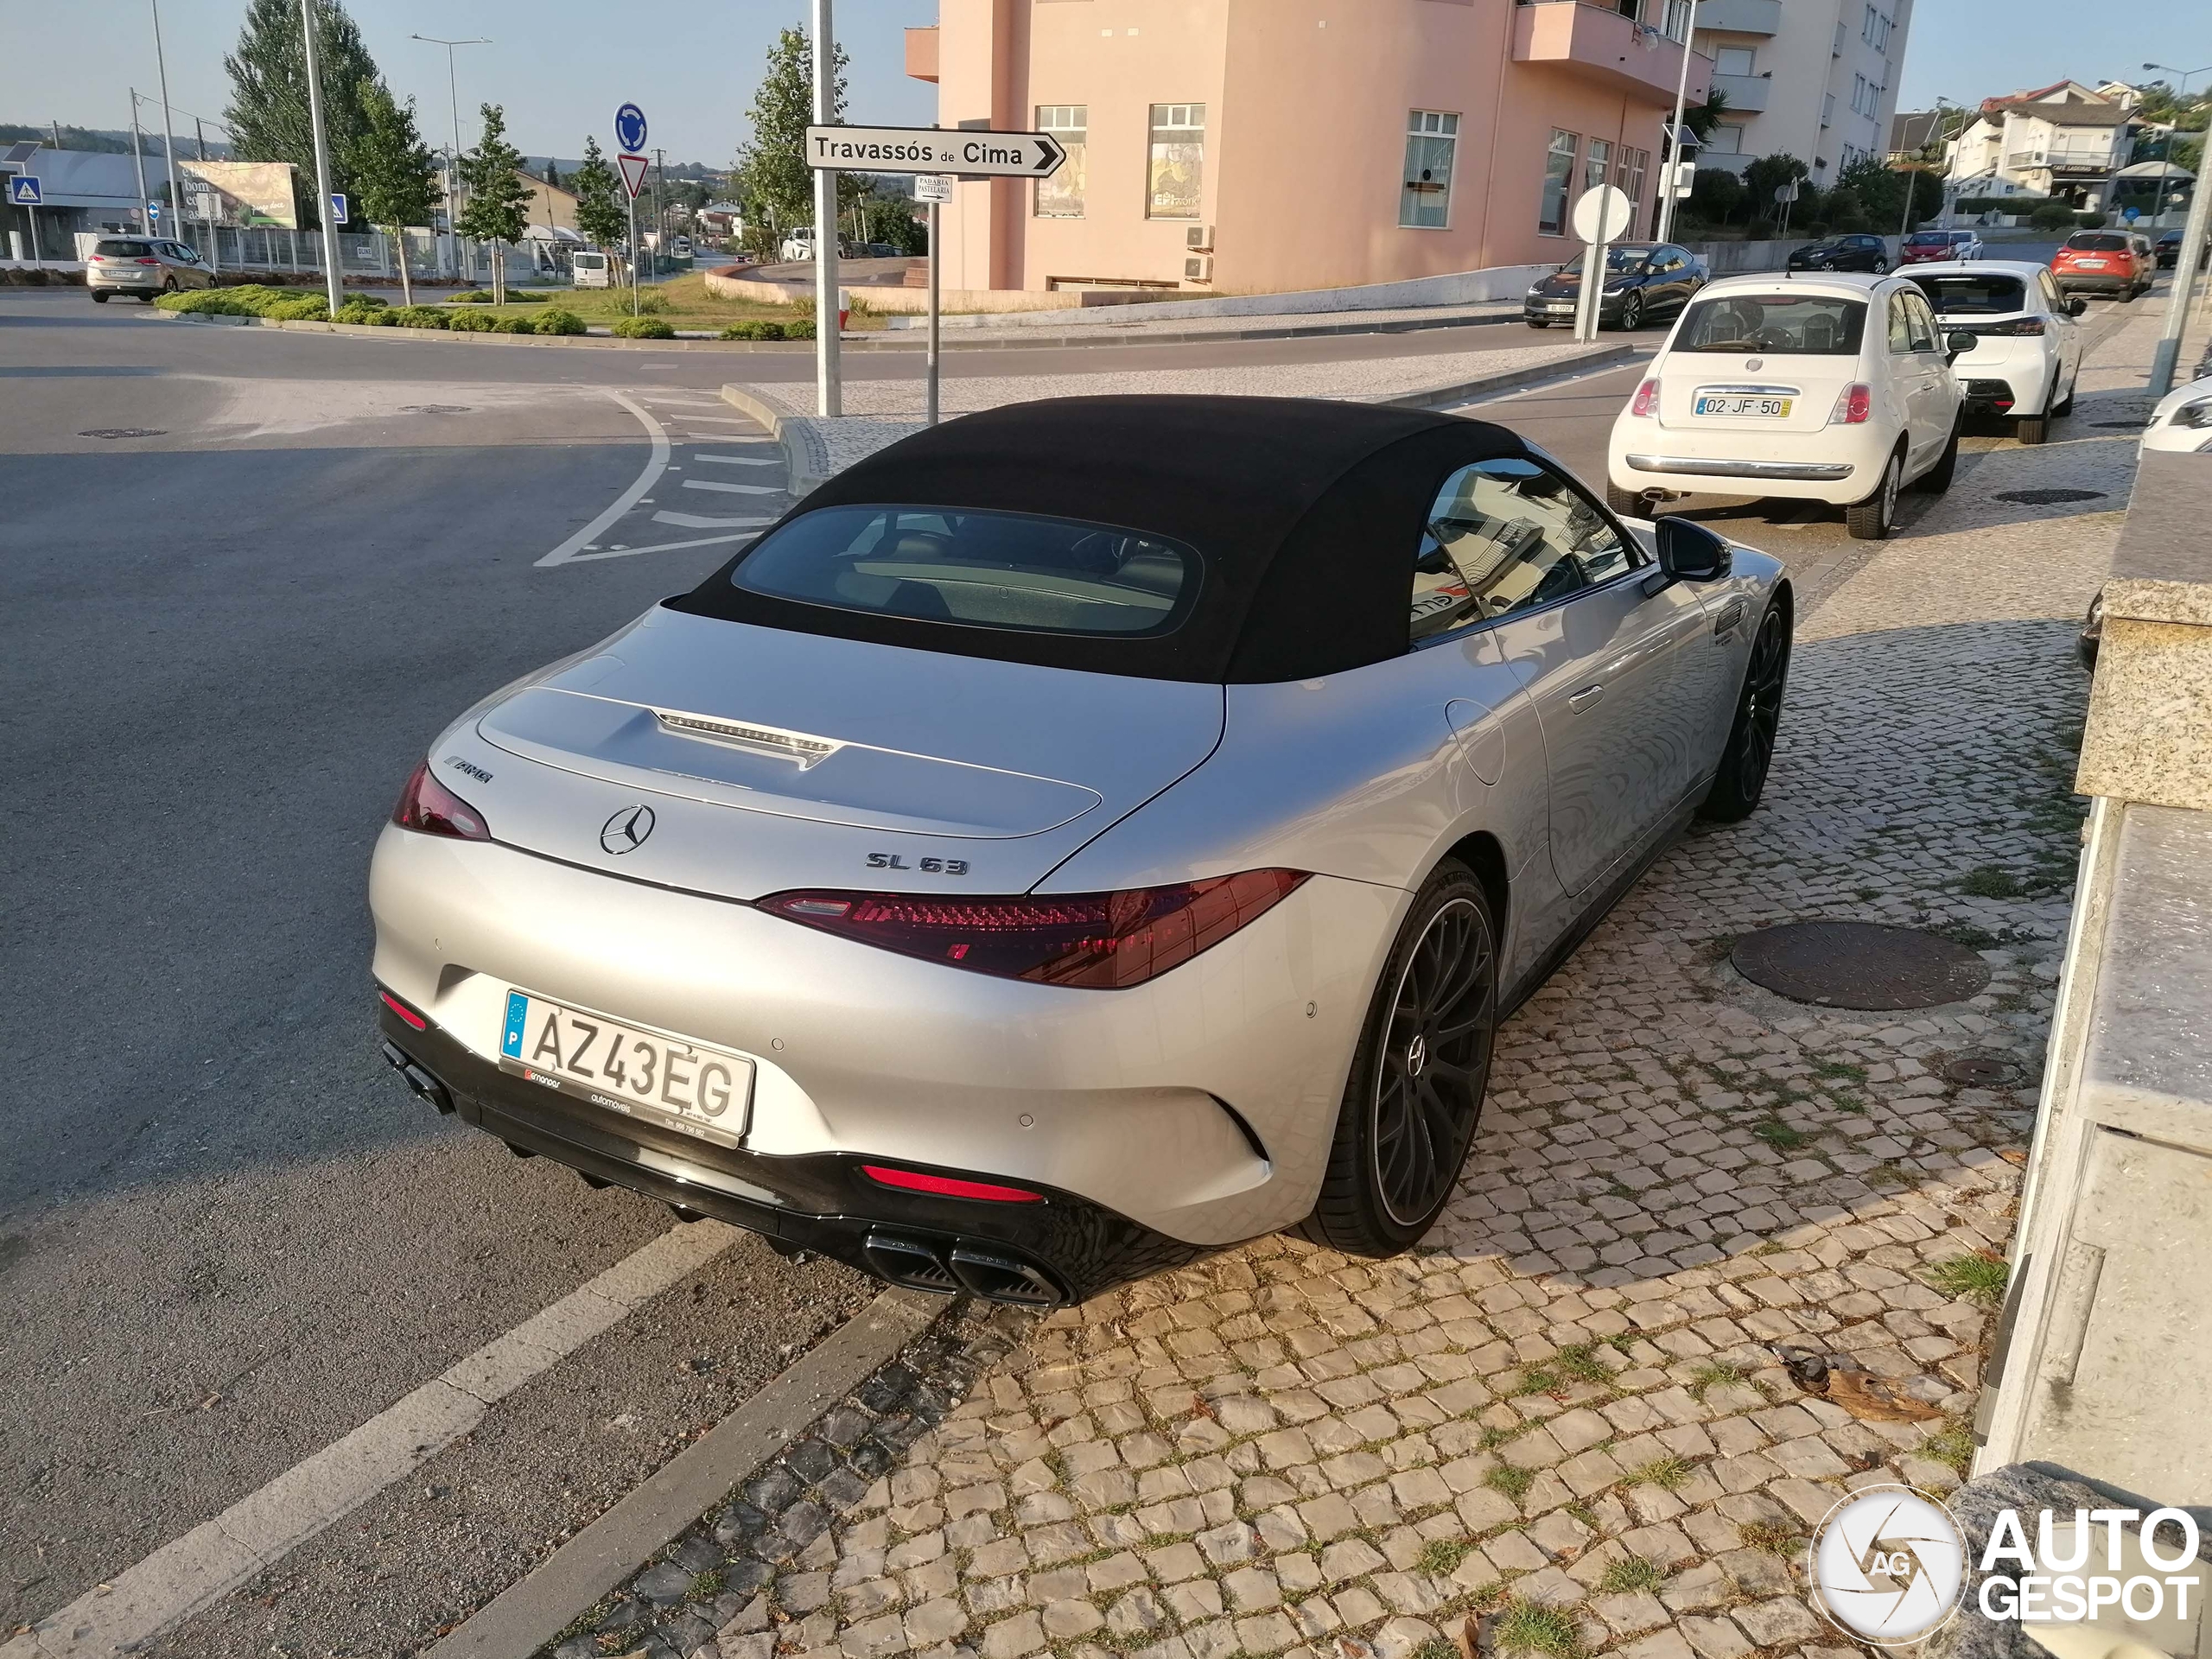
<point x="1307" y="515"/>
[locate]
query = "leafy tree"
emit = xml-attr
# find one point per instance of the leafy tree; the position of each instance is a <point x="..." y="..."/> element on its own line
<point x="394" y="171"/>
<point x="599" y="210"/>
<point x="1715" y="195"/>
<point x="772" y="176"/>
<point x="1702" y="118"/>
<point x="497" y="209"/>
<point x="267" y="115"/>
<point x="1766" y="175"/>
<point x="1881" y="193"/>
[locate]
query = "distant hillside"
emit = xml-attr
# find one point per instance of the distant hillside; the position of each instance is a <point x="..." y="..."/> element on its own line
<point x="113" y="143"/>
<point x="676" y="169"/>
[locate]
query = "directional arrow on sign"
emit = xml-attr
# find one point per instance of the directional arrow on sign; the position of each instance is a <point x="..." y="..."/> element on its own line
<point x="935" y="149"/>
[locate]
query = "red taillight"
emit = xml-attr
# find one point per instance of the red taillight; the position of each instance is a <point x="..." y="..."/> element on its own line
<point x="1854" y="405"/>
<point x="1646" y="403"/>
<point x="404" y="1011"/>
<point x="145" y="262"/>
<point x="914" y="1180"/>
<point x="428" y="806"/>
<point x="1097" y="941"/>
<point x="2017" y="325"/>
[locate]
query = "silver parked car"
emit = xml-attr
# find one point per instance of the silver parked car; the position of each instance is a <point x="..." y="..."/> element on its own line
<point x="148" y="266"/>
<point x="1076" y="838"/>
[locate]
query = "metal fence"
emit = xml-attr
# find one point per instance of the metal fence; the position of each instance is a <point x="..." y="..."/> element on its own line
<point x="365" y="253"/>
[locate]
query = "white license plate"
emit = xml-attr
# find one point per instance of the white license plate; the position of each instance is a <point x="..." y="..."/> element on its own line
<point x="670" y="1081"/>
<point x="1765" y="408"/>
<point x="2091" y="265"/>
<point x="1561" y="305"/>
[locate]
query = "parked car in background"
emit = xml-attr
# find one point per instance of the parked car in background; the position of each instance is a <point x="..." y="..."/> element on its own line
<point x="681" y="247"/>
<point x="1835" y="389"/>
<point x="1642" y="280"/>
<point x="1922" y="246"/>
<point x="146" y="266"/>
<point x="2117" y="262"/>
<point x="1853" y="252"/>
<point x="2167" y="249"/>
<point x="798" y="244"/>
<point x="590" y="269"/>
<point x="2182" y="420"/>
<point x="2027" y="348"/>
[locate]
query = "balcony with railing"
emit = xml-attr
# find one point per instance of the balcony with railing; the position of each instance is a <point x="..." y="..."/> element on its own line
<point x="1601" y="44"/>
<point x="1741" y="16"/>
<point x="1746" y="93"/>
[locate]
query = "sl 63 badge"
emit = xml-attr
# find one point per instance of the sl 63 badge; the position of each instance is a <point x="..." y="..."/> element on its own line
<point x="929" y="866"/>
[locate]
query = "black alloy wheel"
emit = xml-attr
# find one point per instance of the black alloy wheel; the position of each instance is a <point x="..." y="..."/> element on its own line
<point x="1632" y="312"/>
<point x="1409" y="1111"/>
<point x="1744" y="763"/>
<point x="1881" y="266"/>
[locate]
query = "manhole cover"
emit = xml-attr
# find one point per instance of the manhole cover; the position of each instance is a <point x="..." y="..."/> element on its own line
<point x="1986" y="1071"/>
<point x="2124" y="426"/>
<point x="1859" y="965"/>
<point x="124" y="432"/>
<point x="2049" y="497"/>
<point x="435" y="408"/>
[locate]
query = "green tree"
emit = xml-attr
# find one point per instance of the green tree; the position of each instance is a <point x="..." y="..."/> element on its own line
<point x="772" y="176"/>
<point x="394" y="171"/>
<point x="1881" y="193"/>
<point x="1715" y="195"/>
<point x="268" y="114"/>
<point x="497" y="209"/>
<point x="1766" y="175"/>
<point x="599" y="210"/>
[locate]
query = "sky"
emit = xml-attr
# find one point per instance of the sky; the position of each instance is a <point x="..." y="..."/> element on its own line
<point x="560" y="67"/>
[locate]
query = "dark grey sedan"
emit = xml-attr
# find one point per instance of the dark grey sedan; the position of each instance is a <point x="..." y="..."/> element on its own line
<point x="1642" y="280"/>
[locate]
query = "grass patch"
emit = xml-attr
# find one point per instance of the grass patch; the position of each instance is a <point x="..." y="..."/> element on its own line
<point x="1535" y="1380"/>
<point x="706" y="1586"/>
<point x="682" y="301"/>
<point x="1510" y="1480"/>
<point x="1666" y="1473"/>
<point x="1951" y="1446"/>
<point x="1580" y="1364"/>
<point x="1837" y="1069"/>
<point x="1978" y="1277"/>
<point x="1436" y="1647"/>
<point x="1988" y="881"/>
<point x="1772" y="1537"/>
<point x="1779" y="1135"/>
<point x="1629" y="1574"/>
<point x="1975" y="938"/>
<point x="1526" y="1627"/>
<point x="1493" y="1437"/>
<point x="1442" y="1556"/>
<point x="1715" y="1377"/>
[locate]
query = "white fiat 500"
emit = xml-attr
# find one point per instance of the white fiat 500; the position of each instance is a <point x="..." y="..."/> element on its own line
<point x="1833" y="388"/>
<point x="2027" y="345"/>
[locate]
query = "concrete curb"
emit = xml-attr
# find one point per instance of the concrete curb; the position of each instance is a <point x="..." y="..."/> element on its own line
<point x="537" y="1608"/>
<point x="1597" y="357"/>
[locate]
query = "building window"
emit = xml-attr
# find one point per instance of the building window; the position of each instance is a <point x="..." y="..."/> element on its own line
<point x="1425" y="203"/>
<point x="1061" y="195"/>
<point x="1733" y="60"/>
<point x="1725" y="141"/>
<point x="1875" y="31"/>
<point x="1176" y="172"/>
<point x="1595" y="162"/>
<point x="1559" y="175"/>
<point x="1628" y="172"/>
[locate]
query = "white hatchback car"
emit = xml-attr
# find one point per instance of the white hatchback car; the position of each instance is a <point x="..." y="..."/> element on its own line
<point x="2182" y="420"/>
<point x="1829" y="388"/>
<point x="2027" y="348"/>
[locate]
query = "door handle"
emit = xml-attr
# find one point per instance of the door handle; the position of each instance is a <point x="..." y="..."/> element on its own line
<point x="1586" y="698"/>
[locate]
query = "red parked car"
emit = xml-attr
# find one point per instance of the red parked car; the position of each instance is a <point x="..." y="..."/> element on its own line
<point x="1922" y="246"/>
<point x="2119" y="263"/>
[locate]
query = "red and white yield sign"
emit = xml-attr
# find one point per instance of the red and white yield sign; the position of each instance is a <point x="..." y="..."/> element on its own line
<point x="634" y="173"/>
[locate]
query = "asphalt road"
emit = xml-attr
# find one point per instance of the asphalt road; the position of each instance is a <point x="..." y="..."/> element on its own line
<point x="227" y="1235"/>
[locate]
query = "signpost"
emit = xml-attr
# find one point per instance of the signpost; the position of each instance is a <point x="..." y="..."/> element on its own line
<point x="1601" y="215"/>
<point x="338" y="212"/>
<point x="937" y="157"/>
<point x="630" y="139"/>
<point x="24" y="191"/>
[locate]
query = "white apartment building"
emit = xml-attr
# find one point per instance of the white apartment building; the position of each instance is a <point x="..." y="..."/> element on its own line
<point x="1813" y="79"/>
<point x="2063" y="140"/>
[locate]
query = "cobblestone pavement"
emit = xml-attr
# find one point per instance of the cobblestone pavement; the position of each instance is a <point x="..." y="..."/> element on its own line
<point x="1566" y="1415"/>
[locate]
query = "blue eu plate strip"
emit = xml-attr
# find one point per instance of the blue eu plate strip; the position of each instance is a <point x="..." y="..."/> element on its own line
<point x="510" y="1040"/>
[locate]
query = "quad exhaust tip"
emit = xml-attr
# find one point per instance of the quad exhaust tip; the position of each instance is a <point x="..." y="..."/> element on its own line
<point x="981" y="1270"/>
<point x="420" y="1083"/>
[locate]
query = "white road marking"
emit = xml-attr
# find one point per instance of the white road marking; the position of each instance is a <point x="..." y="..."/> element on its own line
<point x="198" y="1569"/>
<point x="573" y="547"/>
<point x="731" y="489"/>
<point x="735" y="461"/>
<point x="624" y="553"/>
<point x="705" y="521"/>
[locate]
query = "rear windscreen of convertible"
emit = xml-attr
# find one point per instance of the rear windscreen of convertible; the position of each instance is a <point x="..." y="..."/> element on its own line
<point x="983" y="569"/>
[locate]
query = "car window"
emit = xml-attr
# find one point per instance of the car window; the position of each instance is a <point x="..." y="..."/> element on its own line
<point x="984" y="570"/>
<point x="1805" y="325"/>
<point x="115" y="248"/>
<point x="1957" y="293"/>
<point x="1506" y="535"/>
<point x="1922" y="321"/>
<point x="2089" y="242"/>
<point x="2052" y="299"/>
<point x="1900" y="325"/>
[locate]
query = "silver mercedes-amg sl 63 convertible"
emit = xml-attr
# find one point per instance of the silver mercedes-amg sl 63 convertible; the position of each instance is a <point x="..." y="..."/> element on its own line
<point x="1080" y="836"/>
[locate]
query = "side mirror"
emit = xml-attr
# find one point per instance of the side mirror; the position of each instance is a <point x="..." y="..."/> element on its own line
<point x="1957" y="345"/>
<point x="1690" y="552"/>
<point x="2076" y="306"/>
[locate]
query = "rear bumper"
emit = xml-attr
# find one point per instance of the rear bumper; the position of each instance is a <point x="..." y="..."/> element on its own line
<point x="1764" y="471"/>
<point x="1062" y="1248"/>
<point x="2092" y="282"/>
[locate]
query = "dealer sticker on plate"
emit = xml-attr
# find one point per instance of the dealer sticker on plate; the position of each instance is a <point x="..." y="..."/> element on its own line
<point x="670" y="1081"/>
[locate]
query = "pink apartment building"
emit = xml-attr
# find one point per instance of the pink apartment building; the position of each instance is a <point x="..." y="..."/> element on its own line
<point x="1243" y="145"/>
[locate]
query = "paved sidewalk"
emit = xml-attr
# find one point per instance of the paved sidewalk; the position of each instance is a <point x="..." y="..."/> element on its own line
<point x="1564" y="1414"/>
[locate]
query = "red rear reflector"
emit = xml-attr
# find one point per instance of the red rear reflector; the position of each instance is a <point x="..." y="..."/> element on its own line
<point x="946" y="1186"/>
<point x="428" y="807"/>
<point x="404" y="1011"/>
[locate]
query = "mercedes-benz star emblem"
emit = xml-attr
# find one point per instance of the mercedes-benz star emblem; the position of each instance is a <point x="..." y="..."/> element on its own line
<point x="1756" y="364"/>
<point x="1416" y="1056"/>
<point x="627" y="831"/>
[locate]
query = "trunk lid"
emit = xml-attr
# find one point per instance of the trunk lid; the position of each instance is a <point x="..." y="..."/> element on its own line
<point x="773" y="760"/>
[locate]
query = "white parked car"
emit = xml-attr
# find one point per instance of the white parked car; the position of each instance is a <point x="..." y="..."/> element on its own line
<point x="2182" y="419"/>
<point x="1830" y="388"/>
<point x="798" y="244"/>
<point x="2027" y="348"/>
<point x="590" y="271"/>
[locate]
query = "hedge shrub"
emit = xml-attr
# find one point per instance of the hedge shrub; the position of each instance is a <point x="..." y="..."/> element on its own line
<point x="755" y="328"/>
<point x="557" y="321"/>
<point x="471" y="322"/>
<point x="516" y="326"/>
<point x="644" y="329"/>
<point x="423" y="317"/>
<point x="802" y="329"/>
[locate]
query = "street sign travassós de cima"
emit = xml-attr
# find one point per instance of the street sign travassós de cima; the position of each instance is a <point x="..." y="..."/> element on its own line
<point x="965" y="150"/>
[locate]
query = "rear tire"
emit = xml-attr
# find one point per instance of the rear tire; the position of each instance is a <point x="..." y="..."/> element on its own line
<point x="1937" y="479"/>
<point x="1538" y="322"/>
<point x="1631" y="312"/>
<point x="2065" y="405"/>
<point x="1881" y="267"/>
<point x="1750" y="754"/>
<point x="1409" y="1114"/>
<point x="1873" y="519"/>
<point x="1627" y="502"/>
<point x="100" y="299"/>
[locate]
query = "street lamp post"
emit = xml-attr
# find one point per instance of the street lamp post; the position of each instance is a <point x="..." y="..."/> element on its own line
<point x="169" y="134"/>
<point x="333" y="277"/>
<point x="452" y="156"/>
<point x="1674" y="132"/>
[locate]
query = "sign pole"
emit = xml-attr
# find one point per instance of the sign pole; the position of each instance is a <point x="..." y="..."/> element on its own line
<point x="2168" y="349"/>
<point x="633" y="253"/>
<point x="331" y="280"/>
<point x="936" y="298"/>
<point x="828" y="392"/>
